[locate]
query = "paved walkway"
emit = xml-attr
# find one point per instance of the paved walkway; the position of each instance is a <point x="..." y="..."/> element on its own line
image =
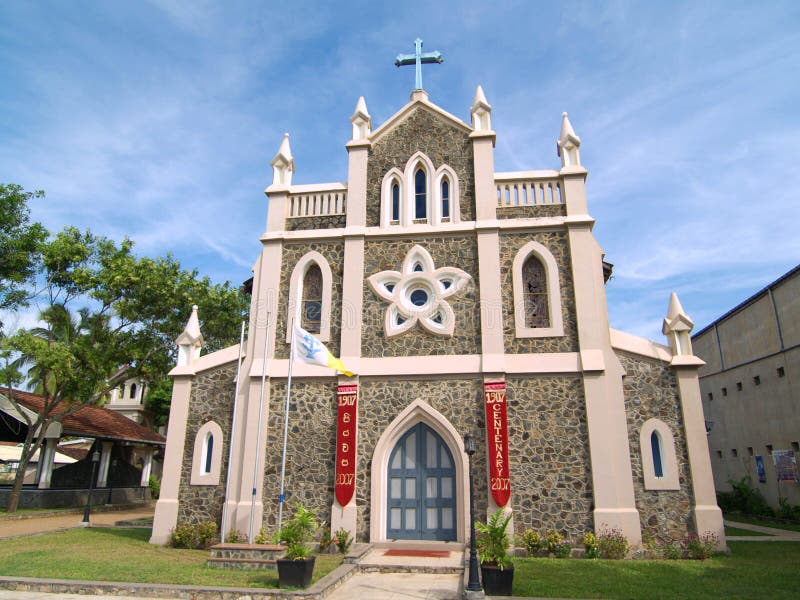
<point x="771" y="534"/>
<point x="31" y="525"/>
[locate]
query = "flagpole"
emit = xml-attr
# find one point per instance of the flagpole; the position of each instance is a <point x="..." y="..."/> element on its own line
<point x="233" y="436"/>
<point x="258" y="435"/>
<point x="286" y="429"/>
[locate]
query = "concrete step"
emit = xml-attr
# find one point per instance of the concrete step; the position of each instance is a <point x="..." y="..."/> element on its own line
<point x="247" y="551"/>
<point x="244" y="564"/>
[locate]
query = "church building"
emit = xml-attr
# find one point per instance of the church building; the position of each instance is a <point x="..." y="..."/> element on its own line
<point x="466" y="301"/>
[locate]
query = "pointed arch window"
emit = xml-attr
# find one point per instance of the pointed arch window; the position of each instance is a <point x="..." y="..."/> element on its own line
<point x="207" y="455"/>
<point x="655" y="445"/>
<point x="310" y="291"/>
<point x="395" y="202"/>
<point x="133" y="390"/>
<point x="534" y="281"/>
<point x="311" y="309"/>
<point x="420" y="194"/>
<point x="659" y="460"/>
<point x="537" y="293"/>
<point x="445" y="196"/>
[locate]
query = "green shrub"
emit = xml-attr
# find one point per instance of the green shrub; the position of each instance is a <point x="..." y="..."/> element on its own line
<point x="563" y="550"/>
<point x="700" y="547"/>
<point x="297" y="531"/>
<point x="235" y="537"/>
<point x="590" y="545"/>
<point x="788" y="511"/>
<point x="671" y="551"/>
<point x="193" y="537"/>
<point x="326" y="540"/>
<point x="492" y="541"/>
<point x="532" y="542"/>
<point x="744" y="498"/>
<point x="342" y="540"/>
<point x="553" y="541"/>
<point x="155" y="487"/>
<point x="612" y="544"/>
<point x="262" y="537"/>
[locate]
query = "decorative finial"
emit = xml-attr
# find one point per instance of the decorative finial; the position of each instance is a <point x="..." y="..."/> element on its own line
<point x="362" y="122"/>
<point x="418" y="58"/>
<point x="283" y="164"/>
<point x="481" y="111"/>
<point x="568" y="144"/>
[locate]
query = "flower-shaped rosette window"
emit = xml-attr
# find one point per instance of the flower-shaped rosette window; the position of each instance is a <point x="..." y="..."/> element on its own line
<point x="418" y="294"/>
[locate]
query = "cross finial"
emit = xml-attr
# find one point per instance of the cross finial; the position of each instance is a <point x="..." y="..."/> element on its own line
<point x="418" y="58"/>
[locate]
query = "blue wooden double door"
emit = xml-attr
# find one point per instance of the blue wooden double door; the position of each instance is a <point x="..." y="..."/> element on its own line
<point x="422" y="487"/>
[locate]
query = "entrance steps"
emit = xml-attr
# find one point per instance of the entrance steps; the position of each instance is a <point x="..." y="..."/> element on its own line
<point x="245" y="556"/>
<point x="414" y="557"/>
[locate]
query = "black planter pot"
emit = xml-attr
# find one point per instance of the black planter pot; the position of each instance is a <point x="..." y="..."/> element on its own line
<point x="295" y="573"/>
<point x="497" y="582"/>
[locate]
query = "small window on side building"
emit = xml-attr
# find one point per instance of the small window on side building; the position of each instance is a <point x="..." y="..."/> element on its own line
<point x="757" y="380"/>
<point x="781" y="372"/>
<point x="724" y="391"/>
<point x="738" y="386"/>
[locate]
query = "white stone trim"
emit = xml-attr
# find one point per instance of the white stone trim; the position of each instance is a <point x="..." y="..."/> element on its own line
<point x="199" y="475"/>
<point x="669" y="461"/>
<point x="208" y="361"/>
<point x="296" y="294"/>
<point x="397" y="288"/>
<point x="634" y="344"/>
<point x="553" y="293"/>
<point x="417" y="412"/>
<point x="392" y="175"/>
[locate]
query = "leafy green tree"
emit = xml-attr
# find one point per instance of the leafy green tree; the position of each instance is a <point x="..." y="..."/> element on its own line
<point x="19" y="245"/>
<point x="108" y="315"/>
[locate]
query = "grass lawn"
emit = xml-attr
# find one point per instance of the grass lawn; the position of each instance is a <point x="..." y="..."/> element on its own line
<point x="737" y="531"/>
<point x="117" y="554"/>
<point x="752" y="570"/>
<point x="742" y="519"/>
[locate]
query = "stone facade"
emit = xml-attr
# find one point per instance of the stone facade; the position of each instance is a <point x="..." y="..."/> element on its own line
<point x="651" y="391"/>
<point x="442" y="142"/>
<point x="320" y="222"/>
<point x="531" y="212"/>
<point x="550" y="468"/>
<point x="333" y="251"/>
<point x="558" y="245"/>
<point x="211" y="400"/>
<point x="447" y="251"/>
<point x="310" y="450"/>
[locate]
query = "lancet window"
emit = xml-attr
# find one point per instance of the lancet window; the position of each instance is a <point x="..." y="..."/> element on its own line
<point x="445" y="198"/>
<point x="659" y="460"/>
<point x="209" y="452"/>
<point x="311" y="309"/>
<point x="207" y="455"/>
<point x="420" y="194"/>
<point x="534" y="281"/>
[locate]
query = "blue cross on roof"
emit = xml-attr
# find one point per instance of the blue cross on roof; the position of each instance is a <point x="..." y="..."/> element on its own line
<point x="417" y="59"/>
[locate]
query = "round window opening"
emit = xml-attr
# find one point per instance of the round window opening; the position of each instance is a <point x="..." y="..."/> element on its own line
<point x="419" y="297"/>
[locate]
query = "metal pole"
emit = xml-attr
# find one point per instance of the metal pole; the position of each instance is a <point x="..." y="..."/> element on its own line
<point x="87" y="510"/>
<point x="474" y="584"/>
<point x="233" y="437"/>
<point x="286" y="429"/>
<point x="258" y="435"/>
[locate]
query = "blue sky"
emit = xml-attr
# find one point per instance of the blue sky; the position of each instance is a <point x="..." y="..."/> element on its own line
<point x="158" y="119"/>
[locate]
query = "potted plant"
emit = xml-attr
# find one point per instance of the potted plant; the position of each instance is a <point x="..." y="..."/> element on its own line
<point x="295" y="569"/>
<point x="497" y="571"/>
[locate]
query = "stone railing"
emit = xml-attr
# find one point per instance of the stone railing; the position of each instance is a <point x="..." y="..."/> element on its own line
<point x="318" y="200"/>
<point x="528" y="188"/>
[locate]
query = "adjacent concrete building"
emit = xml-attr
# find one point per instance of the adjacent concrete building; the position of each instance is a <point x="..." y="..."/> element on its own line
<point x="751" y="389"/>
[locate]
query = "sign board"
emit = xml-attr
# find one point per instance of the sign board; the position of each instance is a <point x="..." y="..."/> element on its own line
<point x="346" y="421"/>
<point x="497" y="441"/>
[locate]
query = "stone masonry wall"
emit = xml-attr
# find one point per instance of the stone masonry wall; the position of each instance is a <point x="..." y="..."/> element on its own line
<point x="211" y="399"/>
<point x="548" y="444"/>
<point x="651" y="391"/>
<point x="333" y="251"/>
<point x="427" y="132"/>
<point x="310" y="450"/>
<point x="558" y="245"/>
<point x="321" y="222"/>
<point x="447" y="251"/>
<point x="534" y="211"/>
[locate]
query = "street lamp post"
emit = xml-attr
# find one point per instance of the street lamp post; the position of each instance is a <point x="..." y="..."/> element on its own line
<point x="87" y="510"/>
<point x="474" y="584"/>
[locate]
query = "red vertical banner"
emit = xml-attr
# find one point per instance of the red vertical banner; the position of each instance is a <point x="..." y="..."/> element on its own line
<point x="346" y="417"/>
<point x="497" y="441"/>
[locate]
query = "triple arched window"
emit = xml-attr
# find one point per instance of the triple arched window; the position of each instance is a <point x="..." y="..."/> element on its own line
<point x="310" y="289"/>
<point x="419" y="194"/>
<point x="537" y="293"/>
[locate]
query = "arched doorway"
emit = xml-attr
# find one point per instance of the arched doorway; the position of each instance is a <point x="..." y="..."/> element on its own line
<point x="421" y="494"/>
